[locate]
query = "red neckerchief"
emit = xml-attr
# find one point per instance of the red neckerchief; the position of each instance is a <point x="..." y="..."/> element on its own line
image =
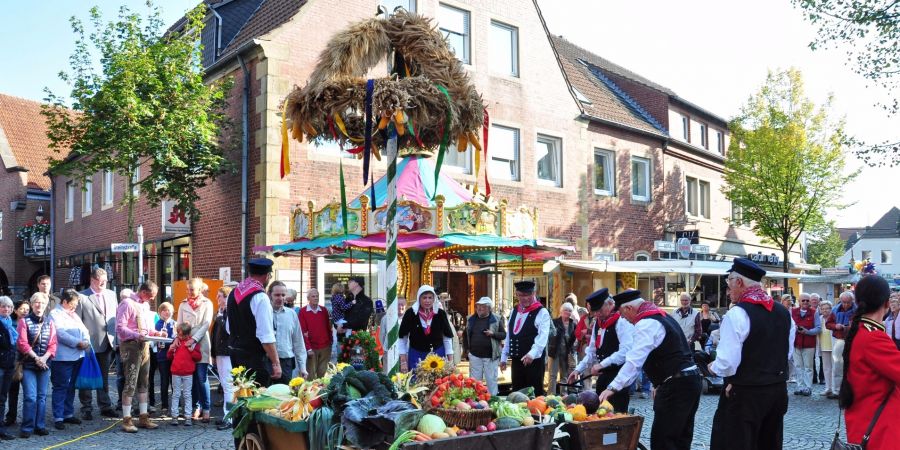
<point x="608" y="322"/>
<point x="648" y="309"/>
<point x="426" y="317"/>
<point x="246" y="288"/>
<point x="758" y="296"/>
<point x="523" y="314"/>
<point x="194" y="302"/>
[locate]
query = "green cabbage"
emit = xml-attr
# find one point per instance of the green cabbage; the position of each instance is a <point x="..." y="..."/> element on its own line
<point x="430" y="424"/>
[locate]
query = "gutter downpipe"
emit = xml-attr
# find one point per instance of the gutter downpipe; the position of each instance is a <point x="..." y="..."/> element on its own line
<point x="52" y="230"/>
<point x="245" y="162"/>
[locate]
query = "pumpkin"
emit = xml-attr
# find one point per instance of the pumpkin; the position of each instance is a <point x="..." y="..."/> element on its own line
<point x="537" y="406"/>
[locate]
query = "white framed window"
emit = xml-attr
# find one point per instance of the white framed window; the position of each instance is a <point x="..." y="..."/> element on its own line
<point x="737" y="216"/>
<point x="504" y="49"/>
<point x="887" y="257"/>
<point x="548" y="152"/>
<point x="704" y="136"/>
<point x="603" y="256"/>
<point x="504" y="152"/>
<point x="686" y="128"/>
<point x="604" y="172"/>
<point x="704" y="199"/>
<point x="720" y="142"/>
<point x="135" y="179"/>
<point x="87" y="198"/>
<point x="641" y="256"/>
<point x="867" y="254"/>
<point x="70" y="201"/>
<point x="455" y="24"/>
<point x="108" y="193"/>
<point x="696" y="194"/>
<point x="640" y="179"/>
<point x="391" y="5"/>
<point x="459" y="160"/>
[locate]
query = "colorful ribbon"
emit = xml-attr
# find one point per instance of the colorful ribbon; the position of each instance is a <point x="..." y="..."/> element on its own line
<point x="285" y="143"/>
<point x="445" y="140"/>
<point x="343" y="198"/>
<point x="485" y="127"/>
<point x="367" y="153"/>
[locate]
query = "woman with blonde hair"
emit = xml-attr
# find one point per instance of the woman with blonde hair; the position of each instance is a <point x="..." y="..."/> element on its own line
<point x="219" y="353"/>
<point x="197" y="311"/>
<point x="37" y="345"/>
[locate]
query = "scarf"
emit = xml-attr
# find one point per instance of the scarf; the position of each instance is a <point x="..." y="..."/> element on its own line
<point x="245" y="289"/>
<point x="13" y="333"/>
<point x="608" y="322"/>
<point x="684" y="312"/>
<point x="426" y="318"/>
<point x="523" y="314"/>
<point x="758" y="296"/>
<point x="648" y="309"/>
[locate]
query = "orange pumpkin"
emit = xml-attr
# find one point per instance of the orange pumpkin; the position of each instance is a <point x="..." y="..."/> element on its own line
<point x="537" y="406"/>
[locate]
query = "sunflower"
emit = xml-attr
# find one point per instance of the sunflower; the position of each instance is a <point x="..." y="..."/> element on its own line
<point x="238" y="370"/>
<point x="295" y="382"/>
<point x="432" y="363"/>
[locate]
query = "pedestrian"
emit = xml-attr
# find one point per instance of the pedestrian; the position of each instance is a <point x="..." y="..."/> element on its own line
<point x="444" y="302"/>
<point x="166" y="325"/>
<point x="808" y="328"/>
<point x="360" y="312"/>
<point x="485" y="333"/>
<point x="218" y="350"/>
<point x="890" y="321"/>
<point x="288" y="335"/>
<point x="754" y="348"/>
<point x="561" y="345"/>
<point x="98" y="313"/>
<point x="340" y="304"/>
<point x="21" y="309"/>
<point x="45" y="285"/>
<point x="708" y="318"/>
<point x="661" y="349"/>
<point x="248" y="319"/>
<point x="818" y="377"/>
<point x="197" y="310"/>
<point x="37" y="345"/>
<point x="8" y="337"/>
<point x="184" y="354"/>
<point x="317" y="335"/>
<point x="134" y="352"/>
<point x="787" y="301"/>
<point x="72" y="339"/>
<point x="610" y="339"/>
<point x="529" y="331"/>
<point x="825" y="346"/>
<point x="870" y="390"/>
<point x="583" y="337"/>
<point x="688" y="319"/>
<point x="839" y="324"/>
<point x="424" y="328"/>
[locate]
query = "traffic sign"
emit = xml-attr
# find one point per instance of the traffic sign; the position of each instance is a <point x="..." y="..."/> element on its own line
<point x="124" y="247"/>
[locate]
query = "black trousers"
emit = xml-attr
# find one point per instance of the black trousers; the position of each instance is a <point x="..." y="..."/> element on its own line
<point x="287" y="367"/>
<point x="530" y="375"/>
<point x="165" y="380"/>
<point x="257" y="363"/>
<point x="151" y="385"/>
<point x="103" y="401"/>
<point x="751" y="418"/>
<point x="673" y="413"/>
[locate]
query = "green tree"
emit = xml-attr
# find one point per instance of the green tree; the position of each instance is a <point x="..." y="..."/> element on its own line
<point x="825" y="248"/>
<point x="147" y="107"/>
<point x="870" y="32"/>
<point x="785" y="163"/>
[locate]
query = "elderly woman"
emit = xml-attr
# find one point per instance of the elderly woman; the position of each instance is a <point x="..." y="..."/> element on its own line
<point x="561" y="345"/>
<point x="825" y="346"/>
<point x="37" y="344"/>
<point x="21" y="308"/>
<point x="424" y="329"/>
<point x="8" y="337"/>
<point x="197" y="311"/>
<point x="72" y="340"/>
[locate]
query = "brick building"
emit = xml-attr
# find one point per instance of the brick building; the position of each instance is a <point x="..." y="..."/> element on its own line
<point x="24" y="194"/>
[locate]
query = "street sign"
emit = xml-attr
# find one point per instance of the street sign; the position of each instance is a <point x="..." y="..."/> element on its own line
<point x="683" y="246"/>
<point x="700" y="249"/>
<point x="131" y="247"/>
<point x="663" y="246"/>
<point x="835" y="271"/>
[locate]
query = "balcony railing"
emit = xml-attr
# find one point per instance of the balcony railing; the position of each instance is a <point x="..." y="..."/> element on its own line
<point x="37" y="247"/>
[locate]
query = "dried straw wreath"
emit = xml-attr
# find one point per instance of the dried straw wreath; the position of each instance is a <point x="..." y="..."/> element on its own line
<point x="428" y="98"/>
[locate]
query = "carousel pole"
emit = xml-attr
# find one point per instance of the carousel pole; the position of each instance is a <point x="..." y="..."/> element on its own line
<point x="390" y="237"/>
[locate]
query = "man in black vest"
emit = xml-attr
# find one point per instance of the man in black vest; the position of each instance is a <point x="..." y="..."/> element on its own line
<point x="250" y="325"/>
<point x="660" y="348"/>
<point x="755" y="344"/>
<point x="358" y="316"/>
<point x="526" y="340"/>
<point x="610" y="340"/>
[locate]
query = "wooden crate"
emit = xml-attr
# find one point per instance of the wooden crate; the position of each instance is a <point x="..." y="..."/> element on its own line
<point x="537" y="437"/>
<point x="621" y="433"/>
<point x="280" y="434"/>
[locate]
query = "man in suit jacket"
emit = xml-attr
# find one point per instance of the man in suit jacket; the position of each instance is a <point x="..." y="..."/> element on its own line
<point x="98" y="312"/>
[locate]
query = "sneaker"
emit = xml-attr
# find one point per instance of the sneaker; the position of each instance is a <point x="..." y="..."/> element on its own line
<point x="223" y="426"/>
<point x="798" y="392"/>
<point x="87" y="415"/>
<point x="109" y="413"/>
<point x="59" y="425"/>
<point x="188" y="422"/>
<point x="831" y="396"/>
<point x="24" y="435"/>
<point x="174" y="422"/>
<point x="9" y="421"/>
<point x="6" y="437"/>
<point x="72" y="420"/>
<point x="807" y="392"/>
<point x="41" y="432"/>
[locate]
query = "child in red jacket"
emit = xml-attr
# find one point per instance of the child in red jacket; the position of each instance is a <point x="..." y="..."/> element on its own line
<point x="184" y="362"/>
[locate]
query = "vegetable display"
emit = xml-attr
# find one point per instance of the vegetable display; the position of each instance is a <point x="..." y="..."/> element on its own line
<point x="457" y="391"/>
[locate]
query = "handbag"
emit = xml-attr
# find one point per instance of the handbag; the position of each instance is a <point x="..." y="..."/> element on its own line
<point x="838" y="444"/>
<point x="19" y="369"/>
<point x="89" y="375"/>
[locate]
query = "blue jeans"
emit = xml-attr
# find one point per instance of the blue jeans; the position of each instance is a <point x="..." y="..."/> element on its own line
<point x="62" y="376"/>
<point x="34" y="405"/>
<point x="5" y="383"/>
<point x="200" y="388"/>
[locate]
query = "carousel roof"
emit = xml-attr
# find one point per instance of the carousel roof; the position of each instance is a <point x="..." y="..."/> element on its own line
<point x="415" y="182"/>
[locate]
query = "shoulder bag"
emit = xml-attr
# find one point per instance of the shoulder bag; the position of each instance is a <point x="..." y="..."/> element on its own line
<point x="19" y="370"/>
<point x="838" y="444"/>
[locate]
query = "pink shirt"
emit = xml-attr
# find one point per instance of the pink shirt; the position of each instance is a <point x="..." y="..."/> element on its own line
<point x="127" y="316"/>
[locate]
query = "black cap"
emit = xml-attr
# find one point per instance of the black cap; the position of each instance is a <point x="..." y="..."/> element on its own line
<point x="260" y="266"/>
<point x="597" y="299"/>
<point x="747" y="268"/>
<point x="358" y="280"/>
<point x="625" y="297"/>
<point x="525" y="287"/>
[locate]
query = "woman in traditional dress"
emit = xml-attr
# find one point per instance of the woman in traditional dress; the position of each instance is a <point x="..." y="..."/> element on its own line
<point x="424" y="329"/>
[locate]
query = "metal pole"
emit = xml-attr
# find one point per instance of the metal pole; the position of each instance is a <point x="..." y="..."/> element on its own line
<point x="140" y="264"/>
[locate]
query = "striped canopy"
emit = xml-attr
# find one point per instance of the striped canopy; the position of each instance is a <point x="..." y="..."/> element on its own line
<point x="415" y="182"/>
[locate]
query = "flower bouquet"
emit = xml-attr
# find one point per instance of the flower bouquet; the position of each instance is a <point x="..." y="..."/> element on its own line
<point x="360" y="351"/>
<point x="431" y="368"/>
<point x="244" y="382"/>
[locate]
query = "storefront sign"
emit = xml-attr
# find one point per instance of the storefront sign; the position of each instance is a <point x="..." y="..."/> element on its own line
<point x="683" y="247"/>
<point x="124" y="248"/>
<point x="692" y="235"/>
<point x="700" y="249"/>
<point x="174" y="218"/>
<point x="225" y="274"/>
<point x="835" y="271"/>
<point x="771" y="259"/>
<point x="663" y="246"/>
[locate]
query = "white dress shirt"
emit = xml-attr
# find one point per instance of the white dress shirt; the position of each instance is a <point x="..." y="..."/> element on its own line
<point x="648" y="334"/>
<point x="543" y="324"/>
<point x="732" y="333"/>
<point x="288" y="335"/>
<point x="625" y="333"/>
<point x="261" y="309"/>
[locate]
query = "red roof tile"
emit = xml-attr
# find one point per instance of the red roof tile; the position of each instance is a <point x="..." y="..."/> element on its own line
<point x="26" y="134"/>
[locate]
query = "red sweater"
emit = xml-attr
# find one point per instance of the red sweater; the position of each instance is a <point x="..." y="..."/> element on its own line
<point x="874" y="373"/>
<point x="184" y="359"/>
<point x="316" y="328"/>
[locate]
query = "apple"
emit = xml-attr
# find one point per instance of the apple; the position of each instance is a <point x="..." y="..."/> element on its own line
<point x="491" y="426"/>
<point x="482" y="429"/>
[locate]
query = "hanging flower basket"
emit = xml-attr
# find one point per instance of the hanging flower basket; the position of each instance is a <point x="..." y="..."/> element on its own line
<point x="31" y="229"/>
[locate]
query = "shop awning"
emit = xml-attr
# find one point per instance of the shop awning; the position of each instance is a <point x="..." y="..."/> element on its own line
<point x="663" y="267"/>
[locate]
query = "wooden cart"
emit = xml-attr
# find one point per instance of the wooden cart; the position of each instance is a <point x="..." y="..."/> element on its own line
<point x="536" y="437"/>
<point x="620" y="433"/>
<point x="274" y="433"/>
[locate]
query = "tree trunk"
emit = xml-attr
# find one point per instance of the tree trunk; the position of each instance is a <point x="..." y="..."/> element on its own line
<point x="785" y="264"/>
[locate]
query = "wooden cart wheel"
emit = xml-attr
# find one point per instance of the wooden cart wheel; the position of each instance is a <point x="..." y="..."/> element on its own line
<point x="251" y="441"/>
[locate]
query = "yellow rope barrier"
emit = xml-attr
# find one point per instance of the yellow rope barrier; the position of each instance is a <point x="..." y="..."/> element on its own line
<point x="85" y="436"/>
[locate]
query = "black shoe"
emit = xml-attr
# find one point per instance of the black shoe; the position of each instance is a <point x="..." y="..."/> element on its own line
<point x="87" y="415"/>
<point x="6" y="437"/>
<point x="109" y="413"/>
<point x="72" y="420"/>
<point x="223" y="426"/>
<point x="59" y="425"/>
<point x="41" y="432"/>
<point x="24" y="435"/>
<point x="9" y="421"/>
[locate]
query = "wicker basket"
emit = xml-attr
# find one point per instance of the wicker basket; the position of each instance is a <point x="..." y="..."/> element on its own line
<point x="467" y="420"/>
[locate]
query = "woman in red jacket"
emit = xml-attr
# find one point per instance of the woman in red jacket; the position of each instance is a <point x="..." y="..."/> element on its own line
<point x="872" y="368"/>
